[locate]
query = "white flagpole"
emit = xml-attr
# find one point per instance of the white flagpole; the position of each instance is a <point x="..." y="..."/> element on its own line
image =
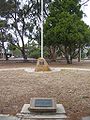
<point x="41" y="28"/>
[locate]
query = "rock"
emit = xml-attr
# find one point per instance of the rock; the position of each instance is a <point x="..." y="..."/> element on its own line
<point x="42" y="65"/>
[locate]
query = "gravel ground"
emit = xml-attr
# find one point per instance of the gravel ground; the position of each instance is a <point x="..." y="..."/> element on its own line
<point x="69" y="87"/>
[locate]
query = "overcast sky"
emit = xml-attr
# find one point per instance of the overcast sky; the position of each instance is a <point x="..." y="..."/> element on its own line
<point x="86" y="10"/>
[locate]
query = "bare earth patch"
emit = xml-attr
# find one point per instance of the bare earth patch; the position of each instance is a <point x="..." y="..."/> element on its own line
<point x="69" y="87"/>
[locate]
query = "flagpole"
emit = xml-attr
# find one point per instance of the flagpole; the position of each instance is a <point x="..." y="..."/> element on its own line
<point x="42" y="65"/>
<point x="41" y="28"/>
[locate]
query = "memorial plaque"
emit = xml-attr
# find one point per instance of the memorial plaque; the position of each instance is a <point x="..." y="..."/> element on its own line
<point x="42" y="105"/>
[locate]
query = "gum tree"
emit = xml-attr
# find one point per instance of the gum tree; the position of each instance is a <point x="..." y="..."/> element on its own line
<point x="22" y="19"/>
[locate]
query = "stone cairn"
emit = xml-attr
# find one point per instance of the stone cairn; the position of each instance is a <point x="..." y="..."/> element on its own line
<point x="42" y="65"/>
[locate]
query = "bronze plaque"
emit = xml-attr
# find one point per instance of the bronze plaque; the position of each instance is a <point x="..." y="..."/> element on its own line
<point x="42" y="105"/>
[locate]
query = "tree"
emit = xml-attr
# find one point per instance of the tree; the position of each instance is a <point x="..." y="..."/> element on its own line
<point x="22" y="20"/>
<point x="64" y="29"/>
<point x="3" y="36"/>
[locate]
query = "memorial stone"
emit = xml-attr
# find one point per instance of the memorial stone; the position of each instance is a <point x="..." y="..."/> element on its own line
<point x="42" y="65"/>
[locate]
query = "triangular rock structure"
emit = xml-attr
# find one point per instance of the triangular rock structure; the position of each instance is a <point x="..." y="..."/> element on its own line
<point x="42" y="65"/>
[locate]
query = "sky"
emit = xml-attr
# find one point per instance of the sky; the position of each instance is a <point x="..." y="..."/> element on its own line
<point x="86" y="10"/>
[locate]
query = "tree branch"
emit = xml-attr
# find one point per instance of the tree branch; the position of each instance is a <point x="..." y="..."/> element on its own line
<point x="85" y="2"/>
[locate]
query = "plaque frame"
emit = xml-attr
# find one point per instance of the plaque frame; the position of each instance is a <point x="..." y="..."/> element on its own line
<point x="46" y="109"/>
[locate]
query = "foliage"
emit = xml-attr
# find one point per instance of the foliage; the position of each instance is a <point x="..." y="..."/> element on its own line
<point x="3" y="36"/>
<point x="17" y="53"/>
<point x="88" y="53"/>
<point x="22" y="20"/>
<point x="34" y="50"/>
<point x="64" y="30"/>
<point x="35" y="53"/>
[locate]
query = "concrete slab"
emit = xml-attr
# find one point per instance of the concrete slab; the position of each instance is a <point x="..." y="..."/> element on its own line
<point x="7" y="117"/>
<point x="86" y="118"/>
<point x="25" y="114"/>
<point x="34" y="116"/>
<point x="60" y="109"/>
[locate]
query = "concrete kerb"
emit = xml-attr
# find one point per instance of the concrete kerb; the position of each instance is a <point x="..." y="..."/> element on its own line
<point x="86" y="118"/>
<point x="53" y="69"/>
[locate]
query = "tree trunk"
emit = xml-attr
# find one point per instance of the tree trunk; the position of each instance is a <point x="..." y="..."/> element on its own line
<point x="6" y="57"/>
<point x="70" y="60"/>
<point x="23" y="49"/>
<point x="79" y="55"/>
<point x="24" y="55"/>
<point x="67" y="59"/>
<point x="67" y="55"/>
<point x="53" y="53"/>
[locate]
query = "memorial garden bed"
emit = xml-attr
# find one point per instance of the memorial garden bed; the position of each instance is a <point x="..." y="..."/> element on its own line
<point x="68" y="87"/>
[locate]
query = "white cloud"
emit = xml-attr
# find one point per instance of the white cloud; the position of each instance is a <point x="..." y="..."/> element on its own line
<point x="86" y="10"/>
